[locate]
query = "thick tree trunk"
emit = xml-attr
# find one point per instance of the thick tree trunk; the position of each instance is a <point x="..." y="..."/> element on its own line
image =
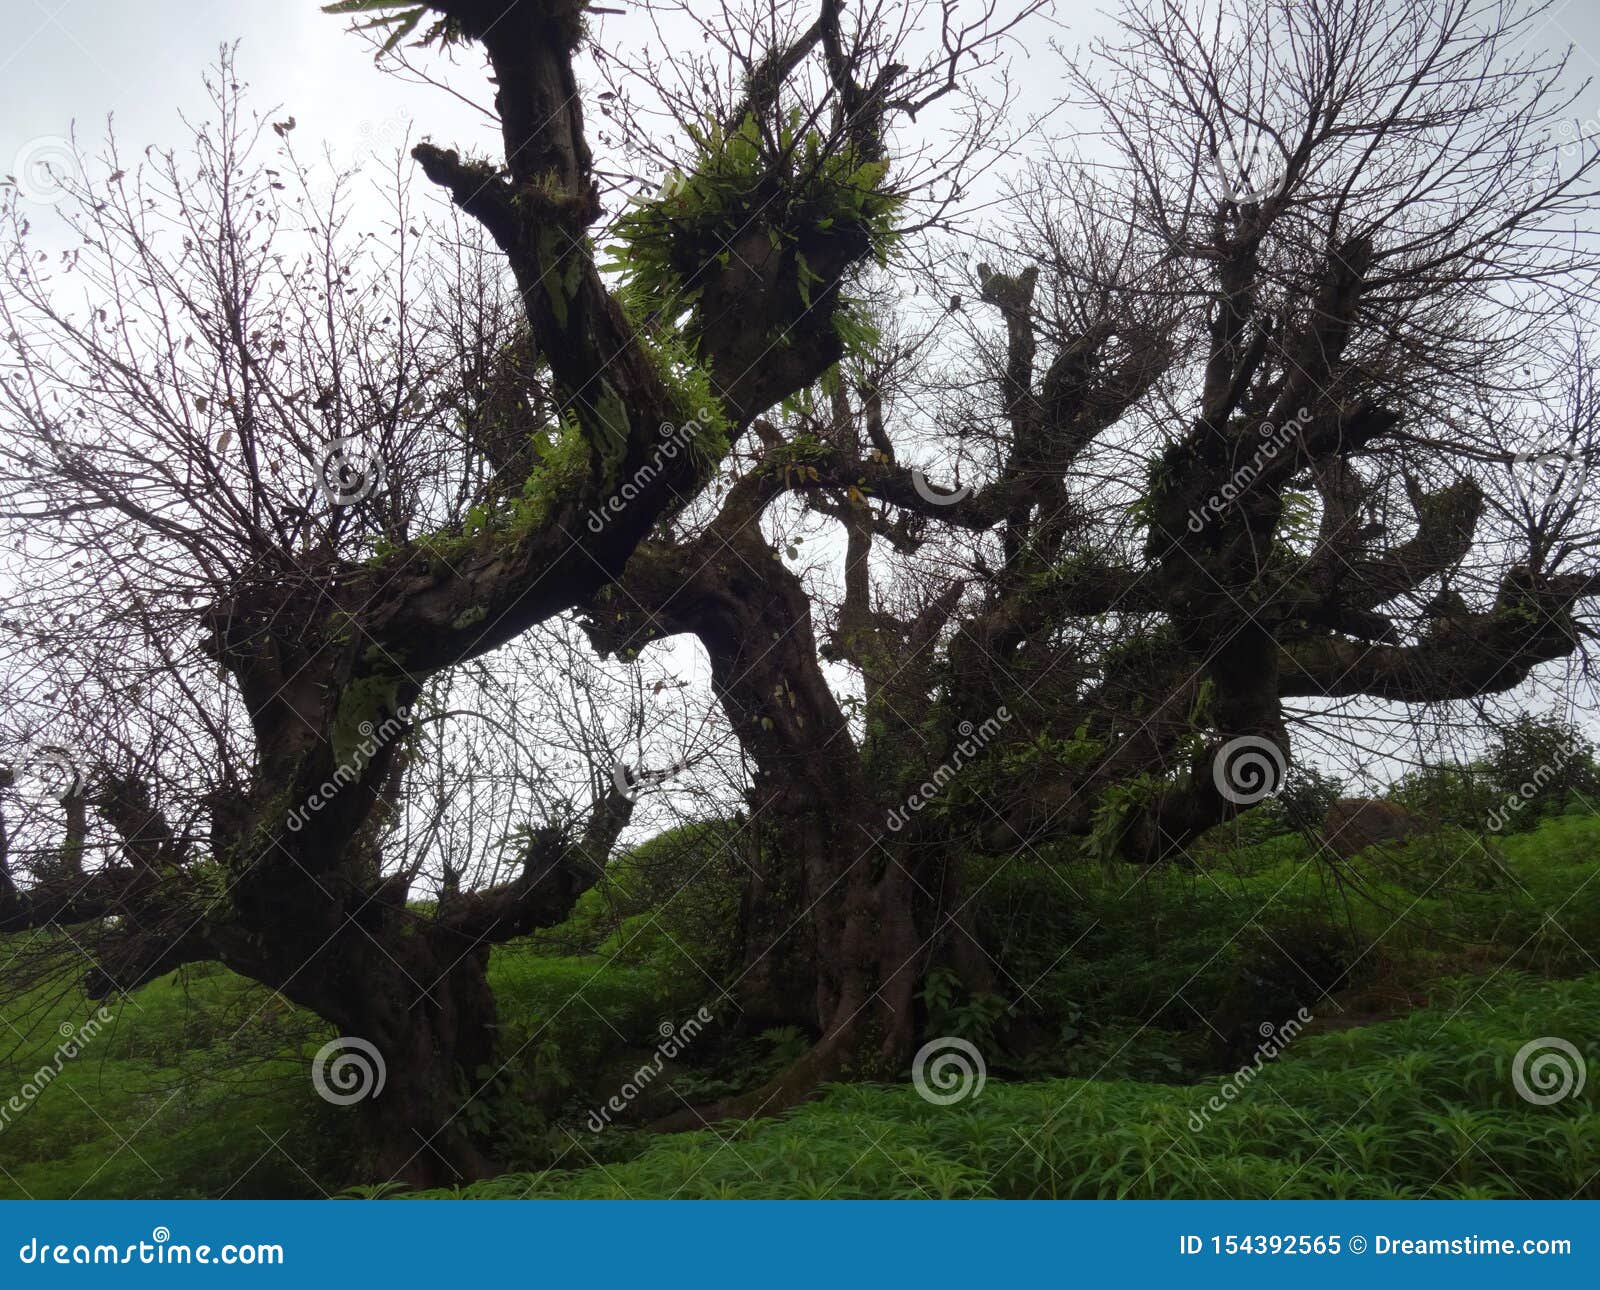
<point x="870" y="956"/>
<point x="415" y="1022"/>
<point x="436" y="1036"/>
<point x="777" y="981"/>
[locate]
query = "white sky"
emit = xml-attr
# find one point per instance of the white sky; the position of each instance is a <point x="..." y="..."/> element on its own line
<point x="76" y="62"/>
<point x="82" y="59"/>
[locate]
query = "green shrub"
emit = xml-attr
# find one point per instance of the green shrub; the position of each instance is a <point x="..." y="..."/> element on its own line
<point x="1419" y="1107"/>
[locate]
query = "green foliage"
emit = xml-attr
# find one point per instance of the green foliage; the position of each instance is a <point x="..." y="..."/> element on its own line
<point x="1302" y="801"/>
<point x="1541" y="766"/>
<point x="1116" y="808"/>
<point x="952" y="1010"/>
<point x="1299" y="523"/>
<point x="364" y="705"/>
<point x="801" y="191"/>
<point x="172" y="1098"/>
<point x="1172" y="968"/>
<point x="1421" y="1107"/>
<point x="668" y="906"/>
<point x="1421" y="964"/>
<point x="1447" y="793"/>
<point x="402" y="18"/>
<point x="1535" y="767"/>
<point x="563" y="453"/>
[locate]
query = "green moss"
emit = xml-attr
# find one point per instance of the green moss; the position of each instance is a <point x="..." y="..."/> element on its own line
<point x="367" y="701"/>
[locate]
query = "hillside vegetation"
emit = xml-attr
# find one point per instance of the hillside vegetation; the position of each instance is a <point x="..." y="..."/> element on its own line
<point x="1137" y="993"/>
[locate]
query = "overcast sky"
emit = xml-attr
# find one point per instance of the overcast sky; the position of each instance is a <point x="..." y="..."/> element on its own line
<point x="81" y="59"/>
<point x="78" y="61"/>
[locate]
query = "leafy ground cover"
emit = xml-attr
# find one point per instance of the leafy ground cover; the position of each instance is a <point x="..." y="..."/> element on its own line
<point x="1133" y="997"/>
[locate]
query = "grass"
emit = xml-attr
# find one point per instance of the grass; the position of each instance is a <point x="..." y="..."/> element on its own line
<point x="1418" y="1107"/>
<point x="1132" y="994"/>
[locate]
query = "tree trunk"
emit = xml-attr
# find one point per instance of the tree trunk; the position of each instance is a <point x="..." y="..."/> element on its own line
<point x="416" y="1032"/>
<point x="868" y="958"/>
<point x="436" y="1036"/>
<point x="869" y="954"/>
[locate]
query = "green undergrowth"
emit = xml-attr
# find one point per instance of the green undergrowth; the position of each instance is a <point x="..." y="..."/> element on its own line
<point x="1422" y="1106"/>
<point x="1128" y="995"/>
<point x="1172" y="970"/>
<point x="195" y="1086"/>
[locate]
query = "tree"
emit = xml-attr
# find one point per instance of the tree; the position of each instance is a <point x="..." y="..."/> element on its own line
<point x="242" y="625"/>
<point x="1288" y="400"/>
<point x="1274" y="395"/>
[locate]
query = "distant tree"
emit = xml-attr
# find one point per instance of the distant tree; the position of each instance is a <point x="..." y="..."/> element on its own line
<point x="1539" y="765"/>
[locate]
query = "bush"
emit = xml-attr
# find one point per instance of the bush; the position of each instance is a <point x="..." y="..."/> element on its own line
<point x="1540" y="766"/>
<point x="1422" y="1107"/>
<point x="669" y="905"/>
<point x="1448" y="793"/>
